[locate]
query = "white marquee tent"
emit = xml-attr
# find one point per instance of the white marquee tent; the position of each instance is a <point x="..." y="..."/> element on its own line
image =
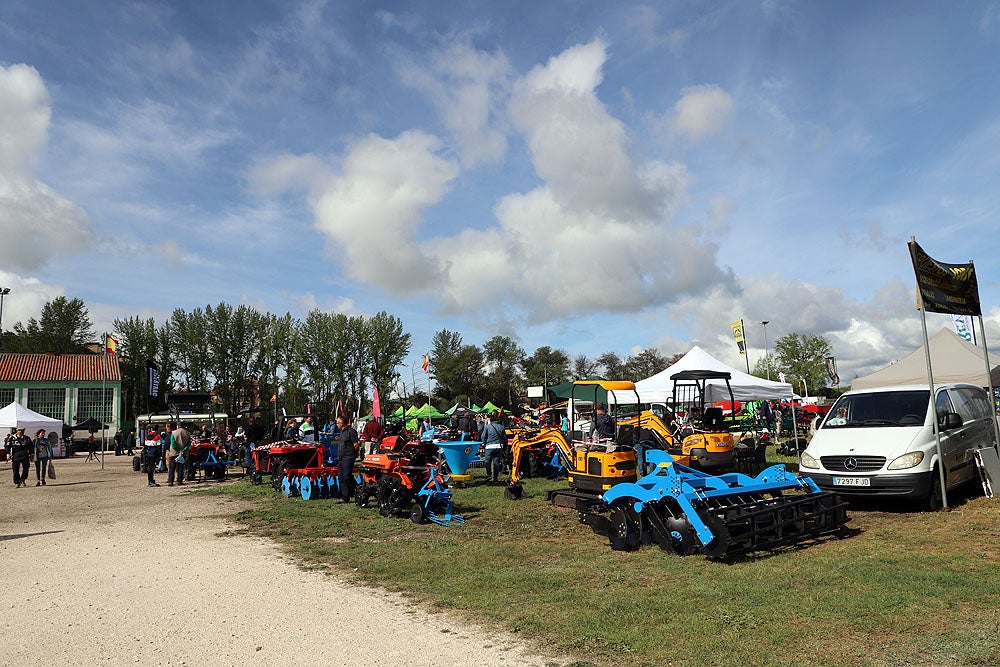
<point x="16" y="415"/>
<point x="953" y="359"/>
<point x="746" y="387"/>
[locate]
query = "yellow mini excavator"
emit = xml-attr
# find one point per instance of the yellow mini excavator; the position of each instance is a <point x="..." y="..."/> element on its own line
<point x="699" y="439"/>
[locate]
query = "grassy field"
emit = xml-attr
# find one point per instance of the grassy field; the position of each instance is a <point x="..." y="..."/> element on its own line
<point x="902" y="589"/>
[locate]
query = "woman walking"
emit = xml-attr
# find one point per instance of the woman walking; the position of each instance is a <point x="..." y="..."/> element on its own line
<point x="43" y="452"/>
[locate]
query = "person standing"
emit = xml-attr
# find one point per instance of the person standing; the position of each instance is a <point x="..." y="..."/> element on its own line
<point x="151" y="452"/>
<point x="92" y="448"/>
<point x="20" y="457"/>
<point x="254" y="435"/>
<point x="372" y="433"/>
<point x="307" y="432"/>
<point x="43" y="452"/>
<point x="130" y="443"/>
<point x="119" y="445"/>
<point x="347" y="452"/>
<point x="179" y="441"/>
<point x="494" y="438"/>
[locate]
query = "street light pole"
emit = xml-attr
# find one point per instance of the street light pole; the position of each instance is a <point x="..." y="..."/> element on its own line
<point x="767" y="363"/>
<point x="4" y="291"/>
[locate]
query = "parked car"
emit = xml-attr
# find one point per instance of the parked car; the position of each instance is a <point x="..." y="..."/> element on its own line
<point x="880" y="443"/>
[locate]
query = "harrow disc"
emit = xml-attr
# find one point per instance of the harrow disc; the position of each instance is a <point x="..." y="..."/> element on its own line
<point x="332" y="486"/>
<point x="306" y="488"/>
<point x="680" y="536"/>
<point x="625" y="532"/>
<point x="286" y="487"/>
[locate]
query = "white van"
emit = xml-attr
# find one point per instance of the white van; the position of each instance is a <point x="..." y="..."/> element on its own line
<point x="879" y="442"/>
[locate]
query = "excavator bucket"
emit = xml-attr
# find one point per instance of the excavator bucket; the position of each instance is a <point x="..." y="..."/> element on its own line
<point x="688" y="511"/>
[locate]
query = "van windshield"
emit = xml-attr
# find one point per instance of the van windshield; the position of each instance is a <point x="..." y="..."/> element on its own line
<point x="882" y="408"/>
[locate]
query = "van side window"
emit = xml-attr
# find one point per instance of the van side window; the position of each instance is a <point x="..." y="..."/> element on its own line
<point x="942" y="405"/>
<point x="975" y="402"/>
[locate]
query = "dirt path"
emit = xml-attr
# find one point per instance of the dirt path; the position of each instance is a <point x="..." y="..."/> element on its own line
<point x="100" y="569"/>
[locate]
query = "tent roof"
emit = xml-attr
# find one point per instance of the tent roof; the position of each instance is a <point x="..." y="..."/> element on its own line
<point x="16" y="415"/>
<point x="953" y="359"/>
<point x="745" y="387"/>
<point x="427" y="410"/>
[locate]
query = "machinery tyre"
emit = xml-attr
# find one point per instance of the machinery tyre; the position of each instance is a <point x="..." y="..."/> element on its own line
<point x="935" y="500"/>
<point x="418" y="514"/>
<point x="278" y="468"/>
<point x="220" y="472"/>
<point x="255" y="477"/>
<point x="136" y="463"/>
<point x="625" y="528"/>
<point x="392" y="496"/>
<point x="362" y="495"/>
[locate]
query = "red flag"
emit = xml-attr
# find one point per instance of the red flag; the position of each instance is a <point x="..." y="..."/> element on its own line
<point x="427" y="362"/>
<point x="376" y="406"/>
<point x="110" y="344"/>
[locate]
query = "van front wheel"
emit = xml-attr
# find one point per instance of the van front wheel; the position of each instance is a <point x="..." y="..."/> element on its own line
<point x="934" y="501"/>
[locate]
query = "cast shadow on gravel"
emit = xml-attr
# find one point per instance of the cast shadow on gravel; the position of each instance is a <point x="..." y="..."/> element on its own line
<point x="20" y="535"/>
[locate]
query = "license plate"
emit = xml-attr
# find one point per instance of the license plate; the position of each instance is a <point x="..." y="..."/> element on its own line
<point x="851" y="481"/>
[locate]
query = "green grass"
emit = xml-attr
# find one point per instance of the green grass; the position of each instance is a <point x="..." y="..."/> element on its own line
<point x="905" y="589"/>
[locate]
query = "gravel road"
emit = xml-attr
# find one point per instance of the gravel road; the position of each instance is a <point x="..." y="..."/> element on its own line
<point x="101" y="569"/>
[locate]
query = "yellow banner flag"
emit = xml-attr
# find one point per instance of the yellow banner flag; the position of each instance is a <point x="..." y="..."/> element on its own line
<point x="741" y="343"/>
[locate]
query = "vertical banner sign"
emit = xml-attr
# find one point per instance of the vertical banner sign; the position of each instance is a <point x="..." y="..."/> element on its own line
<point x="154" y="379"/>
<point x="831" y="370"/>
<point x="945" y="288"/>
<point x="737" y="328"/>
<point x="963" y="326"/>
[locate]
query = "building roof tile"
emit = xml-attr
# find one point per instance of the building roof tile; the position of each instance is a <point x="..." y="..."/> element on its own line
<point x="59" y="368"/>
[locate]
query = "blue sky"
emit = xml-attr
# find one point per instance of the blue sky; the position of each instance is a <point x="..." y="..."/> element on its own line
<point x="589" y="176"/>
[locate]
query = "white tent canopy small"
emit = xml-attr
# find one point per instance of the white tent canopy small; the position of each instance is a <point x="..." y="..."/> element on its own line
<point x="953" y="359"/>
<point x="746" y="387"/>
<point x="16" y="415"/>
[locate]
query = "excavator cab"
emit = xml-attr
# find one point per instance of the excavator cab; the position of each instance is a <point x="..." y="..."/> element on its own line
<point x="703" y="432"/>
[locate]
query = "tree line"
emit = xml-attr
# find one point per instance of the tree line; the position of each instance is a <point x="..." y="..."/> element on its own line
<point x="245" y="357"/>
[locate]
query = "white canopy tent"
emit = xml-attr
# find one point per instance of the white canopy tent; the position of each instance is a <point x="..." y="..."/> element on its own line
<point x="16" y="415"/>
<point x="953" y="358"/>
<point x="746" y="387"/>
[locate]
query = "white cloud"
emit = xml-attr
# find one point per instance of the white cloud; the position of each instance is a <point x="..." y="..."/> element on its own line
<point x="467" y="88"/>
<point x="36" y="222"/>
<point x="702" y="111"/>
<point x="597" y="235"/>
<point x="371" y="212"/>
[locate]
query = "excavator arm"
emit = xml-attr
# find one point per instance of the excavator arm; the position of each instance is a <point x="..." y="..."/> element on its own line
<point x="526" y="439"/>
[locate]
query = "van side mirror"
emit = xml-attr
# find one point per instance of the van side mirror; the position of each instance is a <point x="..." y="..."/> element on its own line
<point x="949" y="421"/>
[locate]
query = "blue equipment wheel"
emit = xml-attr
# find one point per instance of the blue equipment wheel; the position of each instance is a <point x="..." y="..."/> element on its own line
<point x="306" y="489"/>
<point x="286" y="486"/>
<point x="322" y="488"/>
<point x="333" y="486"/>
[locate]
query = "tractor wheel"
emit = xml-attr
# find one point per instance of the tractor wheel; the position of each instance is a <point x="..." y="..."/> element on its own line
<point x="255" y="477"/>
<point x="278" y="468"/>
<point x="418" y="514"/>
<point x="393" y="497"/>
<point x="362" y="495"/>
<point x="624" y="534"/>
<point x="220" y="472"/>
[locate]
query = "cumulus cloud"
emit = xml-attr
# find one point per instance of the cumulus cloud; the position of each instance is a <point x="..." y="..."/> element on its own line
<point x="596" y="235"/>
<point x="467" y="87"/>
<point x="371" y="209"/>
<point x="36" y="223"/>
<point x="702" y="111"/>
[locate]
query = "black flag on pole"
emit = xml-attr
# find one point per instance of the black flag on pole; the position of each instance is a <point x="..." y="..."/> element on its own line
<point x="154" y="379"/>
<point x="945" y="288"/>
